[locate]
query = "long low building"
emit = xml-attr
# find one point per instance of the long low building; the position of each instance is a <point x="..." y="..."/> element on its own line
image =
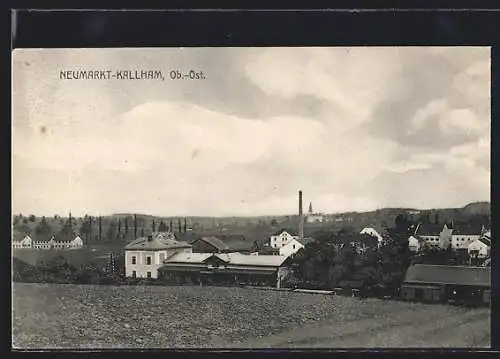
<point x="441" y="283"/>
<point x="223" y="268"/>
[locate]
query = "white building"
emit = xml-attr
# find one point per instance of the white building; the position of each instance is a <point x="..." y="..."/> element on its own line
<point x="464" y="235"/>
<point x="26" y="242"/>
<point x="434" y="235"/>
<point x="63" y="242"/>
<point x="414" y="244"/>
<point x="479" y="248"/>
<point x="294" y="246"/>
<point x="145" y="255"/>
<point x="281" y="239"/>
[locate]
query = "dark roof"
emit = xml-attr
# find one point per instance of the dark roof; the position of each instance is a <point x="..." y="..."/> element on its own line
<point x="428" y="229"/>
<point x="155" y="243"/>
<point x="239" y="244"/>
<point x="214" y="242"/>
<point x="18" y="236"/>
<point x="64" y="237"/>
<point x="43" y="237"/>
<point x="443" y="274"/>
<point x="289" y="231"/>
<point x="306" y="240"/>
<point x="467" y="229"/>
<point x="268" y="250"/>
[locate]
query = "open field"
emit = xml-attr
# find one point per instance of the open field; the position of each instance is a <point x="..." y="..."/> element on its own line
<point x="97" y="253"/>
<point x="73" y="316"/>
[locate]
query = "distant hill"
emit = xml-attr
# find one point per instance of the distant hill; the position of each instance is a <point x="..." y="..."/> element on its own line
<point x="262" y="226"/>
<point x="478" y="208"/>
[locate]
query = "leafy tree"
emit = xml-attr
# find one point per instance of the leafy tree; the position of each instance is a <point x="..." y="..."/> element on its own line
<point x="162" y="227"/>
<point x="135" y="226"/>
<point x="43" y="228"/>
<point x="32" y="218"/>
<point x="154" y="226"/>
<point x="119" y="226"/>
<point x="100" y="227"/>
<point x="126" y="225"/>
<point x="112" y="230"/>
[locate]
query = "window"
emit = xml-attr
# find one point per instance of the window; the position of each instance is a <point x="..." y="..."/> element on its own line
<point x="134" y="260"/>
<point x="134" y="274"/>
<point x="162" y="257"/>
<point x="283" y="244"/>
<point x="148" y="274"/>
<point x="148" y="260"/>
<point x="294" y="246"/>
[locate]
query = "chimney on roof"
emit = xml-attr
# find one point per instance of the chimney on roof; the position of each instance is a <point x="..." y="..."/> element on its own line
<point x="301" y="217"/>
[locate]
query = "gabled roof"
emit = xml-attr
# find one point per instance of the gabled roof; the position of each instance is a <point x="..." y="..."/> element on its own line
<point x="19" y="236"/>
<point x="238" y="244"/>
<point x="483" y="240"/>
<point x="182" y="257"/>
<point x="418" y="238"/>
<point x="443" y="274"/>
<point x="429" y="229"/>
<point x="467" y="230"/>
<point x="214" y="242"/>
<point x="230" y="258"/>
<point x="43" y="237"/>
<point x="292" y="233"/>
<point x="155" y="243"/>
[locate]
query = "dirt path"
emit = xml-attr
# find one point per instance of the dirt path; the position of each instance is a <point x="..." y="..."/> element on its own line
<point x="407" y="329"/>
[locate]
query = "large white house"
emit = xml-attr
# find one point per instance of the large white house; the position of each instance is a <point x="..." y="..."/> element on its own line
<point x="145" y="255"/>
<point x="281" y="239"/>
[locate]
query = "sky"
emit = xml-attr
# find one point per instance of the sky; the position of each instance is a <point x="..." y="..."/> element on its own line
<point x="355" y="129"/>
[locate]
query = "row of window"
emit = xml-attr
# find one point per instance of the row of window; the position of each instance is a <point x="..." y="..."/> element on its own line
<point x="149" y="259"/>
<point x="134" y="274"/>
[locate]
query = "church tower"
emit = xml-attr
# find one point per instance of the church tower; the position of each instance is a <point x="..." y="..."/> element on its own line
<point x="310" y="208"/>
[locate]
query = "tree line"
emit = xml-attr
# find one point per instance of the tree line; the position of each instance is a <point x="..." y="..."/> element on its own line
<point x="96" y="229"/>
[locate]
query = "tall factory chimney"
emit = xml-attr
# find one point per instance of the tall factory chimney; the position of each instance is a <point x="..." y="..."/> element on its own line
<point x="301" y="217"/>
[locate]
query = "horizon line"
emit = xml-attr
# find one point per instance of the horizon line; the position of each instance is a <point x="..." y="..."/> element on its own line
<point x="254" y="215"/>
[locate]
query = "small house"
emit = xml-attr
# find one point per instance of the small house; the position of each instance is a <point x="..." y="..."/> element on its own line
<point x="441" y="283"/>
<point x="479" y="248"/>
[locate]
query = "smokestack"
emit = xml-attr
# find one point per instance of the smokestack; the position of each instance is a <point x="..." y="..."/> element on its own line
<point x="301" y="217"/>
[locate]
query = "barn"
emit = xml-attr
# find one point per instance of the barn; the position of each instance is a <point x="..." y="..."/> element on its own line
<point x="223" y="269"/>
<point x="442" y="283"/>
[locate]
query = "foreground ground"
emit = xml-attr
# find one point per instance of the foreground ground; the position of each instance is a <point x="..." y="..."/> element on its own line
<point x="72" y="316"/>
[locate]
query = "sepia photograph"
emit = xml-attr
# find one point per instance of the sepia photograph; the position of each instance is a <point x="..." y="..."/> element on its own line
<point x="251" y="198"/>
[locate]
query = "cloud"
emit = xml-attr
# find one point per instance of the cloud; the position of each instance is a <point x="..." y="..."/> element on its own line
<point x="354" y="128"/>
